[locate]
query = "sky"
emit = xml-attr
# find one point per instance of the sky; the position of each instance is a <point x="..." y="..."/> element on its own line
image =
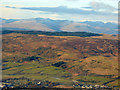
<point x="74" y="10"/>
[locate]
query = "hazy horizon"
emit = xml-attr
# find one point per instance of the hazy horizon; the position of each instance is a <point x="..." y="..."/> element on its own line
<point x="73" y="10"/>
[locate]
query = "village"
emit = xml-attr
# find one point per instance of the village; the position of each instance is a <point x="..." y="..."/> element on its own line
<point x="50" y="85"/>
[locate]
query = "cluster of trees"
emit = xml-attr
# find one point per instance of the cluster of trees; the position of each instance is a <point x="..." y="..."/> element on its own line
<point x="31" y="58"/>
<point x="60" y="64"/>
<point x="80" y="34"/>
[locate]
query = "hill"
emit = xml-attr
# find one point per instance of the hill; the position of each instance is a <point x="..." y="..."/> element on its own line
<point x="59" y="60"/>
<point x="42" y="24"/>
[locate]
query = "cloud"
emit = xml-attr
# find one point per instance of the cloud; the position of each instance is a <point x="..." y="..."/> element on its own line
<point x="9" y="7"/>
<point x="98" y="6"/>
<point x="88" y="7"/>
<point x="60" y="13"/>
<point x="66" y="10"/>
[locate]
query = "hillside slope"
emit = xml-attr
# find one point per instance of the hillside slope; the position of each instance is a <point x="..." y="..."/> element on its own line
<point x="59" y="59"/>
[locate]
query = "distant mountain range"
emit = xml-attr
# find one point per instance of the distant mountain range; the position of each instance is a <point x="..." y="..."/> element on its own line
<point x="46" y="24"/>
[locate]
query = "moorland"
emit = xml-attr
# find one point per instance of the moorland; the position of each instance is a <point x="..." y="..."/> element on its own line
<point x="40" y="59"/>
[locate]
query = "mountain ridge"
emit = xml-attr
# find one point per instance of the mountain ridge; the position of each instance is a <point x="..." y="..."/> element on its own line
<point x="46" y="24"/>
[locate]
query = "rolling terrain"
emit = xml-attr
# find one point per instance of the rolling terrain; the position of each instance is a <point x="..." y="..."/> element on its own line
<point x="56" y="60"/>
<point x="42" y="24"/>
